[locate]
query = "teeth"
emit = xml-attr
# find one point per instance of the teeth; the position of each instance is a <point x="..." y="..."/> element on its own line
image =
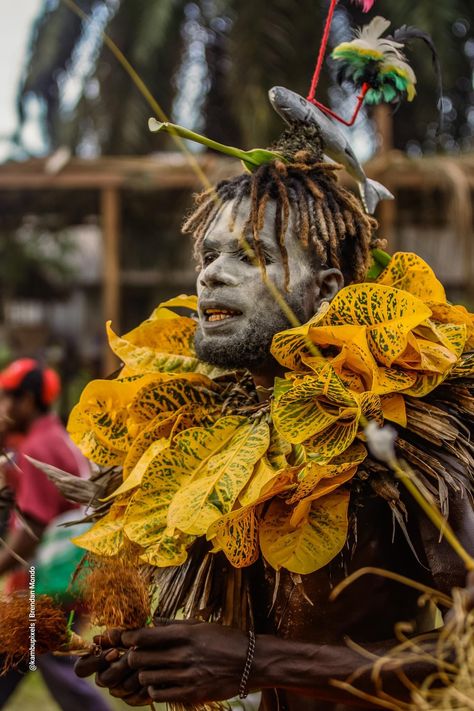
<point x="219" y="314"/>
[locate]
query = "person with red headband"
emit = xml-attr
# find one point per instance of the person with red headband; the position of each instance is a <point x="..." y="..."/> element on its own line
<point x="29" y="428"/>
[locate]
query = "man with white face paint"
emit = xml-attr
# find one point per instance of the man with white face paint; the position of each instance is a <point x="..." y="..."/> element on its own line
<point x="294" y="226"/>
<point x="238" y="314"/>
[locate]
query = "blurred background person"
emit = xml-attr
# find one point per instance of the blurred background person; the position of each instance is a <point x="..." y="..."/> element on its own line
<point x="31" y="429"/>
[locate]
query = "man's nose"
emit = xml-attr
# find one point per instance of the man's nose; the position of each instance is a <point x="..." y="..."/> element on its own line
<point x="219" y="272"/>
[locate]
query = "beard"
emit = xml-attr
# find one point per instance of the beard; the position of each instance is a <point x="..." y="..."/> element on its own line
<point x="248" y="348"/>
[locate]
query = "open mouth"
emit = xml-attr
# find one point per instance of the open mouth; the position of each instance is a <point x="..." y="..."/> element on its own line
<point x="212" y="315"/>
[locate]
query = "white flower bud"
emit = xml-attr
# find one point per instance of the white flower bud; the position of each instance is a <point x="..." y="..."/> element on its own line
<point x="381" y="441"/>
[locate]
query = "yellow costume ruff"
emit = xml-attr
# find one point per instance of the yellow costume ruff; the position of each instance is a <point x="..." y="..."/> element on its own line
<point x="201" y="457"/>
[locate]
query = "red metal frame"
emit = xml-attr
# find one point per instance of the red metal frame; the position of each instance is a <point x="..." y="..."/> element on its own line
<point x="317" y="72"/>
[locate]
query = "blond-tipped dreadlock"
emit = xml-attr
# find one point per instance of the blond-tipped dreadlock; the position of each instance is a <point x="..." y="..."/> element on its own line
<point x="330" y="220"/>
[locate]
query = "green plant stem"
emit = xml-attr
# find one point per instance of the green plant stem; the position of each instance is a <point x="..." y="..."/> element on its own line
<point x="175" y="130"/>
<point x="145" y="92"/>
<point x="433" y="514"/>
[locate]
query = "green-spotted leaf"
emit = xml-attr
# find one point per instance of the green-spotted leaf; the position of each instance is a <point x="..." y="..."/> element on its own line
<point x="313" y="473"/>
<point x="236" y="533"/>
<point x="332" y="441"/>
<point x="159" y="428"/>
<point x="311" y="404"/>
<point x="291" y="346"/>
<point x="145" y="520"/>
<point x="450" y="314"/>
<point x="169" y="549"/>
<point x="105" y="537"/>
<point x="311" y="545"/>
<point x="387" y="313"/>
<point x="162" y="343"/>
<point x="216" y="483"/>
<point x="409" y="272"/>
<point x="100" y="424"/>
<point x="166" y="396"/>
<point x="325" y="487"/>
<point x="464" y="368"/>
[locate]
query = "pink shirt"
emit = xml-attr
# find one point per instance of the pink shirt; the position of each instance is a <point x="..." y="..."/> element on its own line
<point x="48" y="442"/>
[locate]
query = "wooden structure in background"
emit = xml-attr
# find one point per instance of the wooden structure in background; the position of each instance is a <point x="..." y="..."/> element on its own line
<point x="110" y="178"/>
<point x="447" y="181"/>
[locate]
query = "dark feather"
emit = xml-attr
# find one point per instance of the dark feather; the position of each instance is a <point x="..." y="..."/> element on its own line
<point x="405" y="34"/>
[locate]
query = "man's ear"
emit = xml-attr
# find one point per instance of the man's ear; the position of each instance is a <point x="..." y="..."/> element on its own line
<point x="330" y="281"/>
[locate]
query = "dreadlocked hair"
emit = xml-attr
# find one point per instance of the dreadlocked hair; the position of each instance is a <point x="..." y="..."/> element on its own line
<point x="329" y="220"/>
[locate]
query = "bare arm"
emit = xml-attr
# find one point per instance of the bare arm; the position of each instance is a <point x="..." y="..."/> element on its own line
<point x="180" y="662"/>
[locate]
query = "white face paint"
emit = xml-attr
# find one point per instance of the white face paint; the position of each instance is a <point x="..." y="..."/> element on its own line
<point x="238" y="315"/>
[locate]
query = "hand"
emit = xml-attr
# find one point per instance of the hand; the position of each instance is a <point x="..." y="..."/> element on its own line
<point x="113" y="671"/>
<point x="187" y="662"/>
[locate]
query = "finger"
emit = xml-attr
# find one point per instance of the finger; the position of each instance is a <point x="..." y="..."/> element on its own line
<point x="156" y="636"/>
<point x="90" y="664"/>
<point x="110" y="638"/>
<point x="131" y="685"/>
<point x="141" y="658"/>
<point x="115" y="674"/>
<point x="142" y="698"/>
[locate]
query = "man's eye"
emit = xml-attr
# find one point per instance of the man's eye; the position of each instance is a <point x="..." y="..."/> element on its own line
<point x="249" y="257"/>
<point x="207" y="259"/>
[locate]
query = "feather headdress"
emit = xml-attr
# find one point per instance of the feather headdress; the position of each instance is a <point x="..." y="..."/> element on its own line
<point x="377" y="61"/>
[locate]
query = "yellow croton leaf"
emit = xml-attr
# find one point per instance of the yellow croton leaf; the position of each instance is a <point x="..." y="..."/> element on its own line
<point x="91" y="446"/>
<point x="433" y="361"/>
<point x="236" y="533"/>
<point x="394" y="409"/>
<point x="310" y="476"/>
<point x="411" y="273"/>
<point x="321" y="412"/>
<point x="158" y="429"/>
<point x="193" y="453"/>
<point x="278" y="451"/>
<point x="105" y="537"/>
<point x="314" y="542"/>
<point x="464" y="368"/>
<point x="168" y="393"/>
<point x="336" y="438"/>
<point x="355" y="364"/>
<point x="100" y="424"/>
<point x="170" y="549"/>
<point x="217" y="480"/>
<point x="449" y="314"/>
<point x="162" y="343"/>
<point x="387" y="315"/>
<point x="156" y="436"/>
<point x="263" y="475"/>
<point x="370" y="325"/>
<point x="291" y="346"/>
<point x="184" y="301"/>
<point x="306" y="405"/>
<point x="449" y="338"/>
<point x="325" y="487"/>
<point x="145" y="520"/>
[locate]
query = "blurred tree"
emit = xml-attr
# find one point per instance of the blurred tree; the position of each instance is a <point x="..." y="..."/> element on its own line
<point x="211" y="62"/>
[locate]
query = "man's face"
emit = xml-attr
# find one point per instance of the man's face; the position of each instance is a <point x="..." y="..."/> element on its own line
<point x="238" y="315"/>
